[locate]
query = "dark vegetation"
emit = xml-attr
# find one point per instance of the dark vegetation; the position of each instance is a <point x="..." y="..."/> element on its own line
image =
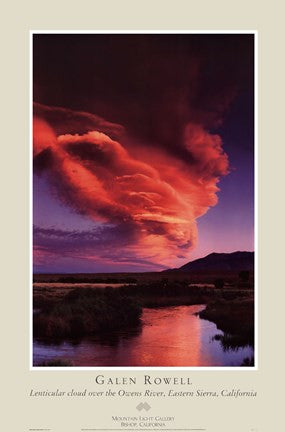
<point x="224" y="282"/>
<point x="73" y="313"/>
<point x="85" y="278"/>
<point x="219" y="283"/>
<point x="84" y="311"/>
<point x="235" y="317"/>
<point x="173" y="293"/>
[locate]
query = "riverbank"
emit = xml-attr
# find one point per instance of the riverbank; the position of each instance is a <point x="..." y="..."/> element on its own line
<point x="235" y="318"/>
<point x="67" y="312"/>
<point x="167" y="336"/>
<point x="84" y="312"/>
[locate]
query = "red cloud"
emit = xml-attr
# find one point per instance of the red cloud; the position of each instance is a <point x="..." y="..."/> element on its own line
<point x="157" y="195"/>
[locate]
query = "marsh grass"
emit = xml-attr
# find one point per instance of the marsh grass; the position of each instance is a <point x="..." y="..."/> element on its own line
<point x="86" y="311"/>
<point x="235" y="317"/>
<point x="73" y="313"/>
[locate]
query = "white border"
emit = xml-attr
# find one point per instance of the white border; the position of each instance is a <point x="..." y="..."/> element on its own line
<point x="30" y="309"/>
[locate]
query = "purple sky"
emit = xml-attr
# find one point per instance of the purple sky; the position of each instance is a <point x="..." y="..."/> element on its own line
<point x="144" y="94"/>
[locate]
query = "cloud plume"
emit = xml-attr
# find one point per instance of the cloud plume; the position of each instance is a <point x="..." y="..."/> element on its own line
<point x="150" y="198"/>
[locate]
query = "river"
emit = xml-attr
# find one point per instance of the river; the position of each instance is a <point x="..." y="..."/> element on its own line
<point x="170" y="336"/>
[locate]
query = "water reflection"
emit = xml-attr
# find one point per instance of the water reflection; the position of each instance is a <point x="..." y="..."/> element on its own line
<point x="172" y="336"/>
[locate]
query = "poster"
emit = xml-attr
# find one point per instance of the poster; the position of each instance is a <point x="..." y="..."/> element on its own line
<point x="143" y="310"/>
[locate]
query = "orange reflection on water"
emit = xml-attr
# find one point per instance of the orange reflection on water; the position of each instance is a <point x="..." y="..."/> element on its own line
<point x="170" y="336"/>
<point x="177" y="336"/>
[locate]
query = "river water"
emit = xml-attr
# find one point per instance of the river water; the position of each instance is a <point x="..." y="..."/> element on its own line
<point x="170" y="336"/>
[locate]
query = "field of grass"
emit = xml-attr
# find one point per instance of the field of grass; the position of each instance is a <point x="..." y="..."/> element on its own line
<point x="83" y="312"/>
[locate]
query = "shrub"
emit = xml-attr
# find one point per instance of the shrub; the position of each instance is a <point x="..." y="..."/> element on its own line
<point x="87" y="311"/>
<point x="219" y="283"/>
<point x="244" y="276"/>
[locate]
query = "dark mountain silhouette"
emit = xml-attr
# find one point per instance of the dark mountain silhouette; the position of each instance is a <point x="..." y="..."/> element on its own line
<point x="235" y="261"/>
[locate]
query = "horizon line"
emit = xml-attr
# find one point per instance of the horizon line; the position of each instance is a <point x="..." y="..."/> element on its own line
<point x="135" y="272"/>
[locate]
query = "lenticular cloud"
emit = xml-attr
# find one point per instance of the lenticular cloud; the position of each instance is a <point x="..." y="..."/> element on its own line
<point x="156" y="195"/>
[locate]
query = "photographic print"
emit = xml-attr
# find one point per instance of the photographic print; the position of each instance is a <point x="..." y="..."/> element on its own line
<point x="143" y="200"/>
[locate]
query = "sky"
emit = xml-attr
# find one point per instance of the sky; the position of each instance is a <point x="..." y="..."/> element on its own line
<point x="143" y="150"/>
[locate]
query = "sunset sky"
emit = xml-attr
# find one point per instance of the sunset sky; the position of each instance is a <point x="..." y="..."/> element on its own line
<point x="143" y="150"/>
